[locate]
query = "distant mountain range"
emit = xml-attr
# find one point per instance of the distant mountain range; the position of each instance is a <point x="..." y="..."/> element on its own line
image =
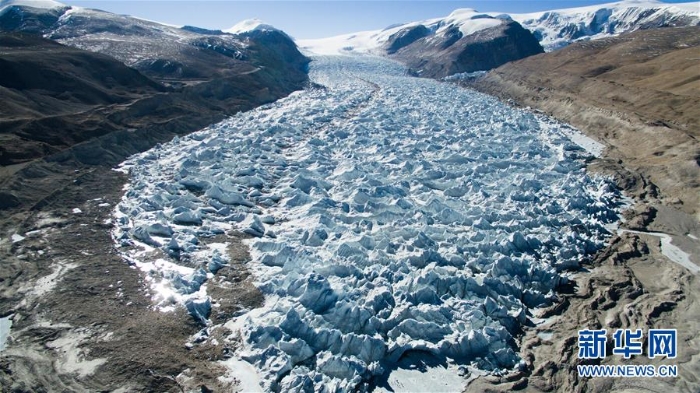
<point x="467" y="40"/>
<point x="462" y="42"/>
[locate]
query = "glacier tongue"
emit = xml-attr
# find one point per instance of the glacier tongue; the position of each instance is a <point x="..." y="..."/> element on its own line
<point x="390" y="217"/>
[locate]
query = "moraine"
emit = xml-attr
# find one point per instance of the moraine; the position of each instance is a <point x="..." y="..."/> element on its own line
<point x="394" y="221"/>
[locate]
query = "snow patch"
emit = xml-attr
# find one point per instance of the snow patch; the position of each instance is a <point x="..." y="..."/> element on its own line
<point x="249" y="25"/>
<point x="73" y="357"/>
<point x="5" y="326"/>
<point x="47" y="283"/>
<point x="46" y="4"/>
<point x="670" y="250"/>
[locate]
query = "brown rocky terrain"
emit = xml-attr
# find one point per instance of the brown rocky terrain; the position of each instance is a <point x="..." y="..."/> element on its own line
<point x="638" y="94"/>
<point x="51" y="94"/>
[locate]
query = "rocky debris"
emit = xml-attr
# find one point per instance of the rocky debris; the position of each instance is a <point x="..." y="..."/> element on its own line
<point x="640" y="217"/>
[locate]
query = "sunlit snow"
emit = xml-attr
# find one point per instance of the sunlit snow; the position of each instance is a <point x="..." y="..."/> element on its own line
<point x="468" y="21"/>
<point x="391" y="218"/>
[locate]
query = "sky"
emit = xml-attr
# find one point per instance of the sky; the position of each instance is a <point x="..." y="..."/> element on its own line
<point x="315" y="19"/>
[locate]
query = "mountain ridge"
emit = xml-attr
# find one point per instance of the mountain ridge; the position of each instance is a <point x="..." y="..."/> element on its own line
<point x="161" y="51"/>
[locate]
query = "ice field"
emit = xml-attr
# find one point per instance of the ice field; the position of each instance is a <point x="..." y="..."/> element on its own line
<point x="391" y="218"/>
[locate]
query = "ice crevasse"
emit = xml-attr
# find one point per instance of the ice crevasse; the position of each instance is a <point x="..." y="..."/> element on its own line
<point x="387" y="216"/>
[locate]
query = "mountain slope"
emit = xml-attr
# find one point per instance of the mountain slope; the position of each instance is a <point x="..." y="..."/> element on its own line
<point x="170" y="54"/>
<point x="45" y="86"/>
<point x="482" y="50"/>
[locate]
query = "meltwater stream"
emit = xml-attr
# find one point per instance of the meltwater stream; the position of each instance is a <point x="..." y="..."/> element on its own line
<point x="393" y="219"/>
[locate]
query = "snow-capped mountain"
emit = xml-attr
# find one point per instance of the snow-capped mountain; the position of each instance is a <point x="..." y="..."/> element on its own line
<point x="445" y="46"/>
<point x="464" y="41"/>
<point x="250" y="25"/>
<point x="159" y="50"/>
<point x="465" y="21"/>
<point x="558" y="28"/>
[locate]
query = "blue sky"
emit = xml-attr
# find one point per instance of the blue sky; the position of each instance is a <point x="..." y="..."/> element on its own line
<point x="314" y="19"/>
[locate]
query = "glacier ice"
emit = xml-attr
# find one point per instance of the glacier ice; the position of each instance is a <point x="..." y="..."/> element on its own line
<point x="388" y="216"/>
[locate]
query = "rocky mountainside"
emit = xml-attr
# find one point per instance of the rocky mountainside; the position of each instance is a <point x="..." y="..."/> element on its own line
<point x="46" y="86"/>
<point x="558" y="28"/>
<point x="440" y="56"/>
<point x="170" y="54"/>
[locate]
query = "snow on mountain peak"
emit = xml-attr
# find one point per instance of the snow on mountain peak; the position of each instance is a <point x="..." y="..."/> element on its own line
<point x="553" y="28"/>
<point x="467" y="20"/>
<point x="48" y="4"/>
<point x="462" y="11"/>
<point x="557" y="28"/>
<point x="249" y="25"/>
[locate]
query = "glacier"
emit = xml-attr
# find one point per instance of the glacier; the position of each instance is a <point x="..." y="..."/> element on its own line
<point x="389" y="218"/>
